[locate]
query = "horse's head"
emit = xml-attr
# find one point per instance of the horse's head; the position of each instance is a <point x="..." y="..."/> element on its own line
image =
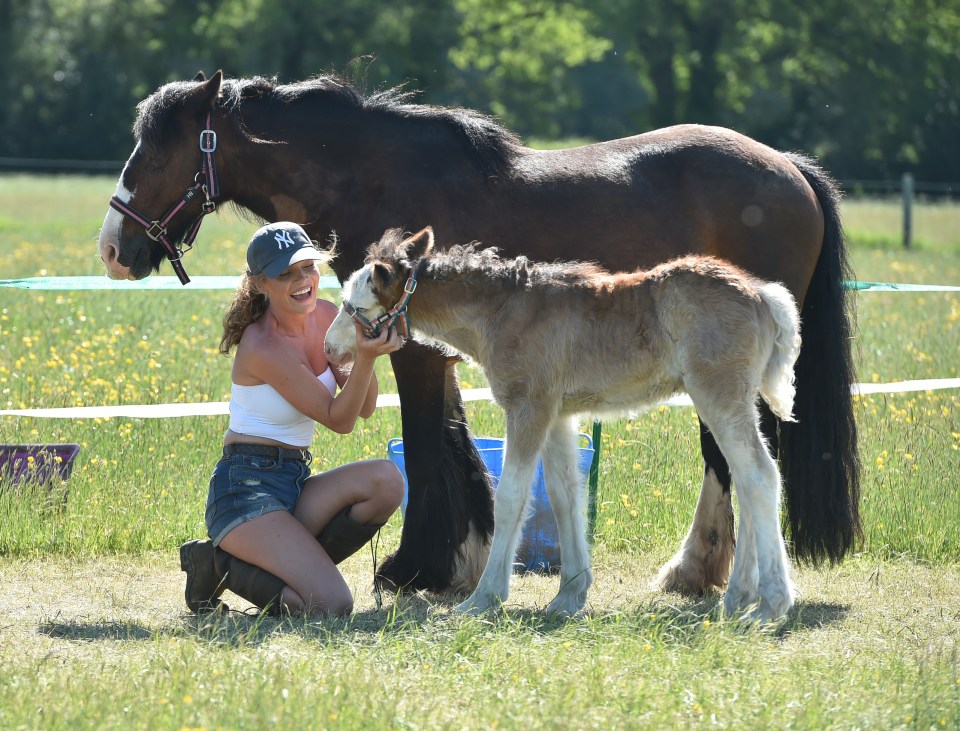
<point x="166" y="186"/>
<point x="376" y="295"/>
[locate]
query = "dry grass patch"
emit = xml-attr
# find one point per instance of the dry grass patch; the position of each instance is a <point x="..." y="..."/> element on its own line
<point x="105" y="643"/>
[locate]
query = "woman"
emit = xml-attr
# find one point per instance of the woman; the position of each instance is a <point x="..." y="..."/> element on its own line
<point x="277" y="532"/>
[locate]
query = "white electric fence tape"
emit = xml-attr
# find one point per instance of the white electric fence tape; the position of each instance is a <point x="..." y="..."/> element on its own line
<point x="215" y="408"/>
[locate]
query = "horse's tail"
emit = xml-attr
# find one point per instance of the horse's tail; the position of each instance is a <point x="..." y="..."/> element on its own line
<point x="818" y="453"/>
<point x="777" y="387"/>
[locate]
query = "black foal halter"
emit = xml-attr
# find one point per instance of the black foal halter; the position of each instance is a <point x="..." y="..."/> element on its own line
<point x="205" y="182"/>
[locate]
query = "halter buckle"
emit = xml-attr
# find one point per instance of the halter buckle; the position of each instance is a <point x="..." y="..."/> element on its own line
<point x="155" y="231"/>
<point x="208" y="140"/>
<point x="411" y="285"/>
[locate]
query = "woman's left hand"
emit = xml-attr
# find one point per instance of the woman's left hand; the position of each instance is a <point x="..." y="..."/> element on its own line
<point x="388" y="341"/>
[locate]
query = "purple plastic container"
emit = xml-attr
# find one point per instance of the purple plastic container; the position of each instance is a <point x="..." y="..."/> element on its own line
<point x="36" y="463"/>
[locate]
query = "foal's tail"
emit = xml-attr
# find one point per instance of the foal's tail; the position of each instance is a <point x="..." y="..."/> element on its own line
<point x="777" y="387"/>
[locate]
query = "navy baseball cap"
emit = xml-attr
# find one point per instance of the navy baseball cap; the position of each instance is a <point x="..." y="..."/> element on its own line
<point x="276" y="246"/>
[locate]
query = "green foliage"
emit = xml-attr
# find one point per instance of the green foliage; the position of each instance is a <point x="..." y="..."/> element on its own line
<point x="869" y="87"/>
<point x="515" y="58"/>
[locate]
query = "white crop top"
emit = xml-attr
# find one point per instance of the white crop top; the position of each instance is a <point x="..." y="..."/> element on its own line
<point x="260" y="411"/>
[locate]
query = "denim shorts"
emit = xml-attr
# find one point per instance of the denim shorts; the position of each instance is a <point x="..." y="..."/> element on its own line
<point x="245" y="486"/>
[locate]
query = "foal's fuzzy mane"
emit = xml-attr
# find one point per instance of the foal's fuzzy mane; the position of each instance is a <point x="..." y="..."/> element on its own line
<point x="492" y="145"/>
<point x="470" y="263"/>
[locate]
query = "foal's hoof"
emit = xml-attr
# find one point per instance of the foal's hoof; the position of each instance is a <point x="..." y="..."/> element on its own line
<point x="758" y="612"/>
<point x="736" y="601"/>
<point x="566" y="607"/>
<point x="476" y="606"/>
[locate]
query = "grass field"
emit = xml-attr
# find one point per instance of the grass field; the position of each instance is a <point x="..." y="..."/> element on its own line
<point x="93" y="635"/>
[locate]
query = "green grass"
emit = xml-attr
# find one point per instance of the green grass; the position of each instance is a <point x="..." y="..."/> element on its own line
<point x="92" y="633"/>
<point x="103" y="644"/>
<point x="878" y="224"/>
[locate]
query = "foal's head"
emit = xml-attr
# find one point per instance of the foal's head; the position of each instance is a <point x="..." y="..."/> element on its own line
<point x="375" y="295"/>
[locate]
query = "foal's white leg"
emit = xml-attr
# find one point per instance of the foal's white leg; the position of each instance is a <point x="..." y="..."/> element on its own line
<point x="509" y="513"/>
<point x="568" y="500"/>
<point x="761" y="568"/>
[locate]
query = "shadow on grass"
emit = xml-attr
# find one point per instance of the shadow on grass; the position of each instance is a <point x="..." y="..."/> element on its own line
<point x="80" y="631"/>
<point x="681" y="618"/>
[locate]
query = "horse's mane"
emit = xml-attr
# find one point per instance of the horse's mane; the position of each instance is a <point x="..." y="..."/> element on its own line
<point x="492" y="144"/>
<point x="469" y="263"/>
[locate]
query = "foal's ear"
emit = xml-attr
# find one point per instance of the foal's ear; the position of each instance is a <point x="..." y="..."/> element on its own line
<point x="380" y="275"/>
<point x="419" y="245"/>
<point x="200" y="76"/>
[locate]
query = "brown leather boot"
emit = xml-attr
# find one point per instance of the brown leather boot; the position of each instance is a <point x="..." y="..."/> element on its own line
<point x="204" y="584"/>
<point x="250" y="582"/>
<point x="343" y="536"/>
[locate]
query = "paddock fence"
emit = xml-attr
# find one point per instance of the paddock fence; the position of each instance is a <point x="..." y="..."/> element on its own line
<point x="176" y="410"/>
<point x="216" y="408"/>
<point x="908" y="190"/>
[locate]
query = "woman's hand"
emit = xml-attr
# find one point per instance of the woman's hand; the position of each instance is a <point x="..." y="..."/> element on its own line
<point x="388" y="341"/>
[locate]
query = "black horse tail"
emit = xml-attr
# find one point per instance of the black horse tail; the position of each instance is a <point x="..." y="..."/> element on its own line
<point x="818" y="454"/>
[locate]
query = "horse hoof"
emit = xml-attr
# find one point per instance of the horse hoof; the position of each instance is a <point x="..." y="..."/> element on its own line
<point x="674" y="577"/>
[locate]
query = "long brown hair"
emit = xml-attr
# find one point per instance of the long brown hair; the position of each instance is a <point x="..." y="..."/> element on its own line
<point x="248" y="304"/>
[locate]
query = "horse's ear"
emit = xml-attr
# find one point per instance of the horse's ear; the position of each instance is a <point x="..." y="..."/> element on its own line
<point x="420" y="244"/>
<point x="200" y="76"/>
<point x="205" y="95"/>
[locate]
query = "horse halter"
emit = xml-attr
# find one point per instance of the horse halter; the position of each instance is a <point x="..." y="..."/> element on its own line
<point x="204" y="181"/>
<point x="396" y="315"/>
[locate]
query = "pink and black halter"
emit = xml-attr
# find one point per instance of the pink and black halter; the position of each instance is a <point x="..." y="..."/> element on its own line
<point x="204" y="181"/>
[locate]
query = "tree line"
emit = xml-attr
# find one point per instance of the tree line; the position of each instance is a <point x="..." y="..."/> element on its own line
<point x="872" y="87"/>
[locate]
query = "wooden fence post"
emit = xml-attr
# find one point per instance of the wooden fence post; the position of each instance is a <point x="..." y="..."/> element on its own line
<point x="907" y="194"/>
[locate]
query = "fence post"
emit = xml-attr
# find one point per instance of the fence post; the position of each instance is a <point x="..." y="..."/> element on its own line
<point x="907" y="193"/>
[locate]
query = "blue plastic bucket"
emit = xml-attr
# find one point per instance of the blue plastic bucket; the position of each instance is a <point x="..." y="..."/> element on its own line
<point x="540" y="541"/>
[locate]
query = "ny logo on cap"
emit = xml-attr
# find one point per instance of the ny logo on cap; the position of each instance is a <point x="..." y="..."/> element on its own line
<point x="283" y="239"/>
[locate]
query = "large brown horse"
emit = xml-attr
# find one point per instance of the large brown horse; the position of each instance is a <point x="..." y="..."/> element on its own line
<point x="349" y="165"/>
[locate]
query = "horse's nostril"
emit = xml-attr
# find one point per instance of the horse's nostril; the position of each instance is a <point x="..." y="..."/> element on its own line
<point x="108" y="253"/>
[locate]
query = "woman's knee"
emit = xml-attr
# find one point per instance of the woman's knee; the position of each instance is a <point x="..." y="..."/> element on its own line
<point x="342" y="607"/>
<point x="337" y="603"/>
<point x="388" y="483"/>
<point x="326" y="595"/>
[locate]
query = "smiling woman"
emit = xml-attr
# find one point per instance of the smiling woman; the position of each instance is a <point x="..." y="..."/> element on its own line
<point x="277" y="533"/>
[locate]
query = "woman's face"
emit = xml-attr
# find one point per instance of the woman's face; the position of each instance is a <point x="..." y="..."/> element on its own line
<point x="294" y="289"/>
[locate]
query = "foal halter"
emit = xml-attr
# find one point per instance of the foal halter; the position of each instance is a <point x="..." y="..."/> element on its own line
<point x="396" y="315"/>
<point x="204" y="181"/>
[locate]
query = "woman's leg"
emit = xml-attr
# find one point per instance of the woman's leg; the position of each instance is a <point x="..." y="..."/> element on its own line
<point x="370" y="491"/>
<point x="280" y="544"/>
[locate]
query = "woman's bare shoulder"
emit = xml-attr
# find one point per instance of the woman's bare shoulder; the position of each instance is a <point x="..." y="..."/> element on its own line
<point x="326" y="310"/>
<point x="262" y="348"/>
